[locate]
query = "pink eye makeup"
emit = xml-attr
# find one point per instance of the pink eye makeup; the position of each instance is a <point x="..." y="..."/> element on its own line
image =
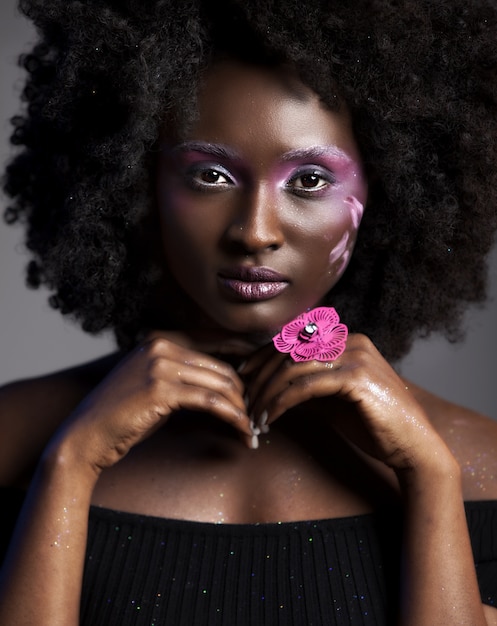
<point x="310" y="173"/>
<point x="310" y="181"/>
<point x="316" y="167"/>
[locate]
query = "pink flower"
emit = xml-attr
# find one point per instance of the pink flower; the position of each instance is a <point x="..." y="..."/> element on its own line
<point x="315" y="335"/>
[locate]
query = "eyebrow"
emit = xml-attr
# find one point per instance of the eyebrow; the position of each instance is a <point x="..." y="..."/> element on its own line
<point x="225" y="152"/>
<point x="314" y="152"/>
<point x="213" y="149"/>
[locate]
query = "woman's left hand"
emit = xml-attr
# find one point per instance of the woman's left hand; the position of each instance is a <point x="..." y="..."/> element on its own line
<point x="363" y="398"/>
<point x="376" y="411"/>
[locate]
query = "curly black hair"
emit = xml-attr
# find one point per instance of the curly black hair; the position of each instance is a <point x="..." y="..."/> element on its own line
<point x="419" y="77"/>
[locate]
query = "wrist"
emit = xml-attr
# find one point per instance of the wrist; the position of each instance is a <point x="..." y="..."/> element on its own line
<point x="64" y="462"/>
<point x="438" y="473"/>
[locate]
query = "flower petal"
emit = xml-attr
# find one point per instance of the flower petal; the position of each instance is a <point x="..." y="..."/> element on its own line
<point x="282" y="345"/>
<point x="324" y="316"/>
<point x="327" y="344"/>
<point x="290" y="332"/>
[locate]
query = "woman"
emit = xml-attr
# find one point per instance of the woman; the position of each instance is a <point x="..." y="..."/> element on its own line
<point x="211" y="192"/>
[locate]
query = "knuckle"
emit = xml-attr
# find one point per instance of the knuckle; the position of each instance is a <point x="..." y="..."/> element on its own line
<point x="155" y="386"/>
<point x="157" y="368"/>
<point x="362" y="362"/>
<point x="228" y="384"/>
<point x="211" y="398"/>
<point x="278" y="405"/>
<point x="304" y="382"/>
<point x="158" y="346"/>
<point x="362" y="342"/>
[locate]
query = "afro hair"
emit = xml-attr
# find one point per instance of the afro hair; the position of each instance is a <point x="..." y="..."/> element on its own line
<point x="418" y="76"/>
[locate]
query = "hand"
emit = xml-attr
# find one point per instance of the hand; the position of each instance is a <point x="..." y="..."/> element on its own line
<point x="371" y="407"/>
<point x="166" y="373"/>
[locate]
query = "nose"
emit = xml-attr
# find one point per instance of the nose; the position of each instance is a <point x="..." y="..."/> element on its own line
<point x="256" y="223"/>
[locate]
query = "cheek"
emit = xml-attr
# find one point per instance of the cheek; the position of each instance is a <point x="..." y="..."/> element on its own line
<point x="343" y="234"/>
<point x="180" y="238"/>
<point x="181" y="224"/>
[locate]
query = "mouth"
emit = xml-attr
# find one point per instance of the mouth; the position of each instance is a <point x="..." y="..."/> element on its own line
<point x="251" y="284"/>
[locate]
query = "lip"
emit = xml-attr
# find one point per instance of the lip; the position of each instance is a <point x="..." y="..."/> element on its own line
<point x="252" y="284"/>
<point x="253" y="274"/>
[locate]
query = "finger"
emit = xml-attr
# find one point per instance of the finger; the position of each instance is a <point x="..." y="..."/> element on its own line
<point x="292" y="385"/>
<point x="197" y="375"/>
<point x="281" y="371"/>
<point x="160" y="348"/>
<point x="204" y="400"/>
<point x="193" y="370"/>
<point x="359" y="375"/>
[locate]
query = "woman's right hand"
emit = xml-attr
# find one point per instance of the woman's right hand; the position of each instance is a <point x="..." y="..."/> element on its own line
<point x="166" y="373"/>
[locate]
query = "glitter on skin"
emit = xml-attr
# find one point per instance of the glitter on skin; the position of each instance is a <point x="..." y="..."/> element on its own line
<point x="63" y="535"/>
<point x="384" y="396"/>
<point x="479" y="471"/>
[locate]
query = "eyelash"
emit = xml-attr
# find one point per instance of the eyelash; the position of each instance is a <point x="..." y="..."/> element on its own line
<point x="194" y="173"/>
<point x="323" y="175"/>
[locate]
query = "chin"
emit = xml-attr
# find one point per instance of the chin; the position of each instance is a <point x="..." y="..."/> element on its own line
<point x="256" y="320"/>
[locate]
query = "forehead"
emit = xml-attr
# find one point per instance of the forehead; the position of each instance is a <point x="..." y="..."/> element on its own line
<point x="244" y="105"/>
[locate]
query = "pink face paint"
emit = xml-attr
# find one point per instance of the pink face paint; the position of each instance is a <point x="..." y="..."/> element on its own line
<point x="356" y="210"/>
<point x="343" y="249"/>
<point x="340" y="178"/>
<point x="341" y="252"/>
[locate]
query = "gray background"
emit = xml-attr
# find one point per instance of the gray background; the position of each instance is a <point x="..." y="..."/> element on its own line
<point x="34" y="339"/>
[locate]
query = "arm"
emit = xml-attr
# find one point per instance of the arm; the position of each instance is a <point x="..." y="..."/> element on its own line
<point x="369" y="405"/>
<point x="42" y="576"/>
<point x="48" y="548"/>
<point x="438" y="573"/>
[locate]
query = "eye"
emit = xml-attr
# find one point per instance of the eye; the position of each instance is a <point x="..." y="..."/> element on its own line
<point x="311" y="182"/>
<point x="207" y="177"/>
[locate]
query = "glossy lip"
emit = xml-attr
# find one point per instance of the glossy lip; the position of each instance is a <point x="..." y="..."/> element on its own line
<point x="252" y="284"/>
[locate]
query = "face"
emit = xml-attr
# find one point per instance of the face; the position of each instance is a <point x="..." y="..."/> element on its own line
<point x="261" y="201"/>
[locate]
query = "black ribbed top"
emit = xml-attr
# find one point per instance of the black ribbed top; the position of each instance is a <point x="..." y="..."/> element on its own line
<point x="143" y="570"/>
<point x="152" y="571"/>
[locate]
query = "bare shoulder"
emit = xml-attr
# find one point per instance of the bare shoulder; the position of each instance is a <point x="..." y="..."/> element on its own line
<point x="32" y="409"/>
<point x="472" y="437"/>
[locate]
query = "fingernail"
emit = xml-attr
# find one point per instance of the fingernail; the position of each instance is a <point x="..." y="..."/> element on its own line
<point x="254" y="443"/>
<point x="255" y="430"/>
<point x="263" y="418"/>
<point x="264" y="429"/>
